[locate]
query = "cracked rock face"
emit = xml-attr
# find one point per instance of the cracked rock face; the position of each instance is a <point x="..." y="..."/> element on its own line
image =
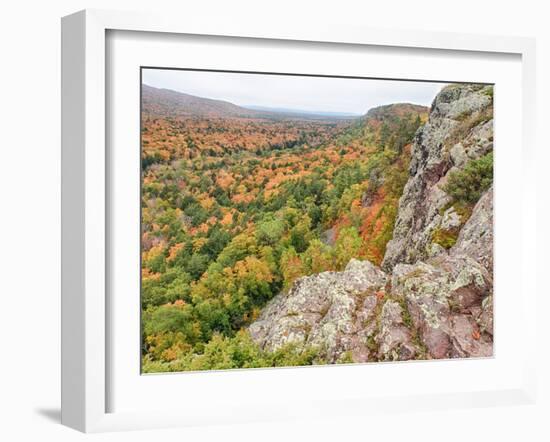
<point x="440" y="296"/>
<point x="476" y="237"/>
<point x="329" y="310"/>
<point x="394" y="338"/>
<point x="459" y="129"/>
<point x="454" y="287"/>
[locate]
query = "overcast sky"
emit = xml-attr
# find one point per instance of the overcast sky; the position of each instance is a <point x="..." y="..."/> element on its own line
<point x="316" y="94"/>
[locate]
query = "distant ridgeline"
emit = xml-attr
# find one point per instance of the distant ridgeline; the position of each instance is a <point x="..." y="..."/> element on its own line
<point x="263" y="233"/>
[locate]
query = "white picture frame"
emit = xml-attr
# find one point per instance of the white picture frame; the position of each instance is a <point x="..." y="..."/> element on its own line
<point x="85" y="236"/>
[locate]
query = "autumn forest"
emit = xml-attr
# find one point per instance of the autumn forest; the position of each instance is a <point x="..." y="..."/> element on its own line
<point x="239" y="203"/>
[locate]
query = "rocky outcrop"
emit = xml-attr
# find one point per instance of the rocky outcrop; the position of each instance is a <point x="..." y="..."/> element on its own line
<point x="394" y="338"/>
<point x="429" y="301"/>
<point x="476" y="237"/>
<point x="331" y="310"/>
<point x="438" y="308"/>
<point x="444" y="298"/>
<point x="459" y="129"/>
<point x="450" y="297"/>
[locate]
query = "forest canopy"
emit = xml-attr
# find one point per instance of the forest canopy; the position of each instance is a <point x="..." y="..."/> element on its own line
<point x="235" y="209"/>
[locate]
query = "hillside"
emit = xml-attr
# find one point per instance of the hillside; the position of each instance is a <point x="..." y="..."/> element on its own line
<point x="178" y="126"/>
<point x="234" y="211"/>
<point x="168" y="103"/>
<point x="394" y="112"/>
<point x="435" y="298"/>
<point x="276" y="243"/>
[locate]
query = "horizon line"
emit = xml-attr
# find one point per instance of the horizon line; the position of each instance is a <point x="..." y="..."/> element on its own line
<point x="282" y="110"/>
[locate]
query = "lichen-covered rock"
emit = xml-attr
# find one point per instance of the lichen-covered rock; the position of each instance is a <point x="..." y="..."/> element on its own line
<point x="330" y="310"/>
<point x="470" y="281"/>
<point x="394" y="338"/>
<point x="485" y="317"/>
<point x="459" y="129"/>
<point x="467" y="340"/>
<point x="425" y="289"/>
<point x="451" y="219"/>
<point x="476" y="236"/>
<point x="439" y="291"/>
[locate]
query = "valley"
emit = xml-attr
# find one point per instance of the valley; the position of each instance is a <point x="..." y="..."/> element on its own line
<point x="242" y="208"/>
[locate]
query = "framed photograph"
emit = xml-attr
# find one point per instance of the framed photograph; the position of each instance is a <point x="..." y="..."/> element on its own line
<point x="251" y="212"/>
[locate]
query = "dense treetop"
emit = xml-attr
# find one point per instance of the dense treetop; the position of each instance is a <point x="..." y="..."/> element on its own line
<point x="235" y="207"/>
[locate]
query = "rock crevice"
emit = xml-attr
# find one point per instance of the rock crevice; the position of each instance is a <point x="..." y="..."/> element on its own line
<point x="459" y="129"/>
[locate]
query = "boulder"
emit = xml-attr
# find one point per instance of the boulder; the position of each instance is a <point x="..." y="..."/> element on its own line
<point x="394" y="338"/>
<point x="330" y="310"/>
<point x="476" y="236"/>
<point x="439" y="291"/>
<point x="467" y="340"/>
